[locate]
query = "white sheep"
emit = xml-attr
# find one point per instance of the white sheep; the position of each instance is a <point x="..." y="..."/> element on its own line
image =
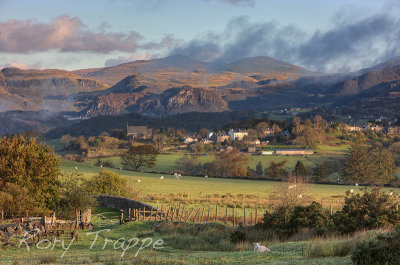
<point x="76" y="168"/>
<point x="260" y="248"/>
<point x="162" y="177"/>
<point x="138" y="180"/>
<point x="206" y="176"/>
<point x="351" y="191"/>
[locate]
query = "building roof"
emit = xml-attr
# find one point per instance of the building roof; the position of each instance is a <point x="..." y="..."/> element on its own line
<point x="137" y="130"/>
<point x="280" y="150"/>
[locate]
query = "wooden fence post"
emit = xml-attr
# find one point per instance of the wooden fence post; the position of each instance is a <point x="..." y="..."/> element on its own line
<point x="195" y="216"/>
<point x="144" y="213"/>
<point x="161" y="212"/>
<point x="251" y="217"/>
<point x="189" y="214"/>
<point x="2" y="214"/>
<point x="129" y="214"/>
<point x="331" y="210"/>
<point x="151" y="213"/>
<point x="244" y="216"/>
<point x="216" y="213"/>
<point x="121" y="217"/>
<point x="226" y="215"/>
<point x="202" y="213"/>
<point x="183" y="211"/>
<point x="233" y="211"/>
<point x="208" y="215"/>
<point x="255" y="217"/>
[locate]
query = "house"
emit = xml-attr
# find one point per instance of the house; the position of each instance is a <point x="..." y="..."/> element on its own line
<point x="352" y="128"/>
<point x="220" y="137"/>
<point x="138" y="132"/>
<point x="237" y="134"/>
<point x="206" y="141"/>
<point x="210" y="134"/>
<point x="251" y="149"/>
<point x="254" y="142"/>
<point x="294" y="152"/>
<point x="267" y="152"/>
<point x="226" y="149"/>
<point x="189" y="140"/>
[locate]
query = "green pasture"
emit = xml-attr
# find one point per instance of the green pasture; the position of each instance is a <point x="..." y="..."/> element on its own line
<point x="107" y="248"/>
<point x="196" y="188"/>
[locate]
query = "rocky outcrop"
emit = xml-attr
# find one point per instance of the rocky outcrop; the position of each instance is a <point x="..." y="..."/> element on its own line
<point x="195" y="99"/>
<point x="366" y="81"/>
<point x="172" y="101"/>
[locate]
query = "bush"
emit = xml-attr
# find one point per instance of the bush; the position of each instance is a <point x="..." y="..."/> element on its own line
<point x="385" y="249"/>
<point x="311" y="216"/>
<point x="374" y="209"/>
<point x="108" y="182"/>
<point x="238" y="235"/>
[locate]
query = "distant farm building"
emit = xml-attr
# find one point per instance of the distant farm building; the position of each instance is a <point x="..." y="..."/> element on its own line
<point x="138" y="132"/>
<point x="294" y="152"/>
<point x="251" y="149"/>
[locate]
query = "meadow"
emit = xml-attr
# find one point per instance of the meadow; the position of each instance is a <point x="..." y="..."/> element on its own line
<point x="208" y="192"/>
<point x="85" y="251"/>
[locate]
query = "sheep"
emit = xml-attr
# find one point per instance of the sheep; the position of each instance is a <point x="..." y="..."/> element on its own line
<point x="76" y="168"/>
<point x="162" y="177"/>
<point x="260" y="248"/>
<point x="206" y="176"/>
<point x="351" y="191"/>
<point x="138" y="180"/>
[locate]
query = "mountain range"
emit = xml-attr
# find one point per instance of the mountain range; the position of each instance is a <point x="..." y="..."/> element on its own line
<point x="179" y="84"/>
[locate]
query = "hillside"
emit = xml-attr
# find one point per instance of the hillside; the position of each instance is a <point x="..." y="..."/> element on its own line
<point x="51" y="90"/>
<point x="191" y="122"/>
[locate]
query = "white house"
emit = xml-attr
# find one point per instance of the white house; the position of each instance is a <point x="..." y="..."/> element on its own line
<point x="237" y="134"/>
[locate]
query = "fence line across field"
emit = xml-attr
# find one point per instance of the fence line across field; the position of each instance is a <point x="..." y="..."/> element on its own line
<point x="198" y="215"/>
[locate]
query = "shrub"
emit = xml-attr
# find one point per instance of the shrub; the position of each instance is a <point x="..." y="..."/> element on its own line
<point x="238" y="235"/>
<point x="385" y="249"/>
<point x="374" y="209"/>
<point x="311" y="216"/>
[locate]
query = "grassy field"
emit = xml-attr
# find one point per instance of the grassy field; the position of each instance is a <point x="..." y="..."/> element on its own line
<point x="324" y="153"/>
<point x="208" y="192"/>
<point x="83" y="252"/>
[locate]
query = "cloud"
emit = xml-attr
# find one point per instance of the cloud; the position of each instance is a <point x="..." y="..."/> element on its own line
<point x="349" y="44"/>
<point x="237" y="2"/>
<point x="64" y="33"/>
<point x="20" y="66"/>
<point x="126" y="59"/>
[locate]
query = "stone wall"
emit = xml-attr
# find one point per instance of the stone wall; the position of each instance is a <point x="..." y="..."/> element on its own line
<point x="118" y="203"/>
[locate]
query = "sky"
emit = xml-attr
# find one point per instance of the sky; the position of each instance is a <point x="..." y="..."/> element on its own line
<point x="320" y="35"/>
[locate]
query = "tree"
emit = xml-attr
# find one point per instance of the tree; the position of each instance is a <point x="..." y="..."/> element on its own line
<point x="368" y="165"/>
<point x="108" y="182"/>
<point x="160" y="141"/>
<point x="15" y="200"/>
<point x="232" y="164"/>
<point x="140" y="156"/>
<point x="66" y="139"/>
<point x="299" y="169"/>
<point x="276" y="170"/>
<point x="32" y="166"/>
<point x="187" y="164"/>
<point x="259" y="169"/>
<point x="358" y="165"/>
<point x="75" y="195"/>
<point x="321" y="173"/>
<point x="261" y="129"/>
<point x="288" y="194"/>
<point x="203" y="132"/>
